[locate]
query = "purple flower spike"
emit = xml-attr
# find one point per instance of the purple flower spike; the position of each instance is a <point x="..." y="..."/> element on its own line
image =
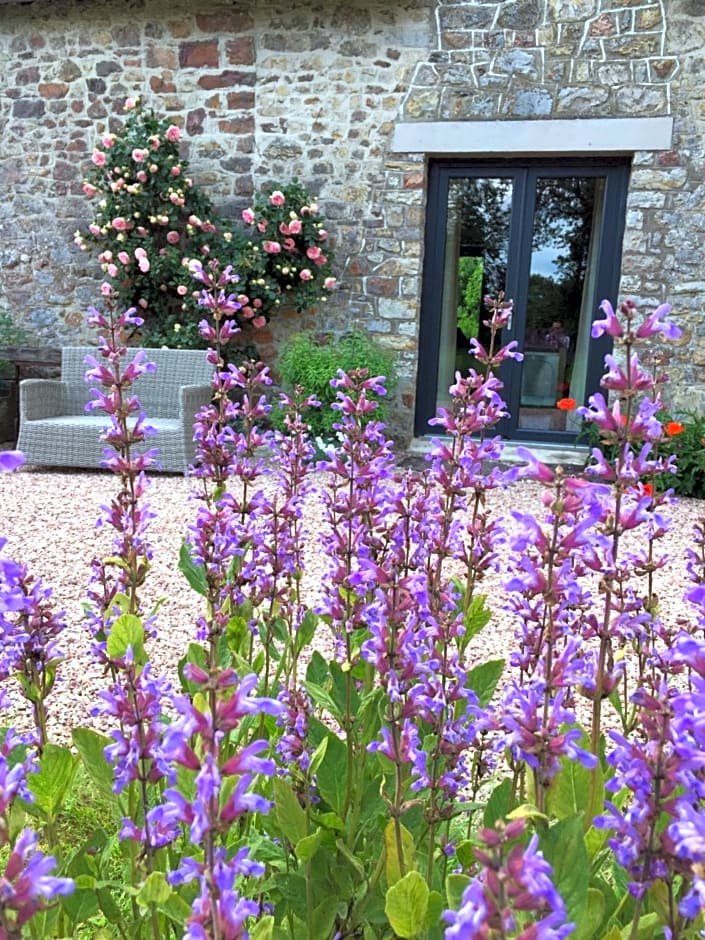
<point x="10" y="460"/>
<point x="609" y="325"/>
<point x="654" y="324"/>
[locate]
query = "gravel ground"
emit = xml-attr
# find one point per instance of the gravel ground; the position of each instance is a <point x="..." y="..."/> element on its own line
<point x="49" y="519"/>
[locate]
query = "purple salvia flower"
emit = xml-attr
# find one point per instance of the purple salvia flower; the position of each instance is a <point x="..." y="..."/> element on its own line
<point x="27" y="884"/>
<point x="11" y="460"/>
<point x="137" y="701"/>
<point x="513" y="895"/>
<point x="610" y="325"/>
<point x="219" y="903"/>
<point x="649" y="769"/>
<point x="688" y="834"/>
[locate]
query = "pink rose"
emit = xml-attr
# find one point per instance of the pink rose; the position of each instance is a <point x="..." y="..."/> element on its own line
<point x="144" y="265"/>
<point x="176" y="171"/>
<point x="305" y="274"/>
<point x="107" y="141"/>
<point x="105" y="256"/>
<point x="277" y="198"/>
<point x="106" y="289"/>
<point x="295" y="226"/>
<point x="320" y="260"/>
<point x="313" y="252"/>
<point x="257" y="303"/>
<point x="181" y="290"/>
<point x="284" y="228"/>
<point x="329" y="283"/>
<point x="173" y="133"/>
<point x="247" y="312"/>
<point x="289" y="244"/>
<point x="120" y="224"/>
<point x="176" y="200"/>
<point x="139" y="155"/>
<point x="248" y="216"/>
<point x="153" y="167"/>
<point x="272" y="248"/>
<point x="154" y="142"/>
<point x="130" y="104"/>
<point x="123" y="257"/>
<point x="262" y="227"/>
<point x="322" y="235"/>
<point x="89" y="190"/>
<point x="140" y="253"/>
<point x="142" y="303"/>
<point x="259" y="322"/>
<point x="98" y="158"/>
<point x="94" y="229"/>
<point x="112" y="270"/>
<point x="172" y="237"/>
<point x="142" y="176"/>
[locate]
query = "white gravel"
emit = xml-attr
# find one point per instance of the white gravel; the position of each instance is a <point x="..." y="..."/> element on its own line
<point x="49" y="520"/>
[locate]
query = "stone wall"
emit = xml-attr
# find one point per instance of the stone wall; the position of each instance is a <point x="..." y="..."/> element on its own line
<point x="268" y="91"/>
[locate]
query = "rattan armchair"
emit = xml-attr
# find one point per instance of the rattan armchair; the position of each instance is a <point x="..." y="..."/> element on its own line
<point x="57" y="431"/>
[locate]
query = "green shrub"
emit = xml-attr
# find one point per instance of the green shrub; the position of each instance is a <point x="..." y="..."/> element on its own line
<point x="683" y="437"/>
<point x="311" y="362"/>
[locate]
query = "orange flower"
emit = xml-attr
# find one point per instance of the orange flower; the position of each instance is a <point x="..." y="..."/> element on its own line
<point x="566" y="404"/>
<point x="649" y="489"/>
<point x="674" y="427"/>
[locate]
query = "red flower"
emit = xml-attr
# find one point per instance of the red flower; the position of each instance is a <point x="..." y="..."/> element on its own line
<point x="673" y="427"/>
<point x="566" y="404"/>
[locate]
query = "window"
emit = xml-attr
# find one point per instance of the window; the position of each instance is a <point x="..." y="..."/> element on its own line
<point x="548" y="234"/>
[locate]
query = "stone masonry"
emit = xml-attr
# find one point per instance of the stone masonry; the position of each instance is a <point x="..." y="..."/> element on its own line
<point x="313" y="89"/>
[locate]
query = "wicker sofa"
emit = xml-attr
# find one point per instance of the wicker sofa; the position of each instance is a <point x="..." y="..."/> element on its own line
<point x="57" y="431"/>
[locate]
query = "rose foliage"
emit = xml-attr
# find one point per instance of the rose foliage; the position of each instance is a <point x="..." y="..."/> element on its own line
<point x="403" y="785"/>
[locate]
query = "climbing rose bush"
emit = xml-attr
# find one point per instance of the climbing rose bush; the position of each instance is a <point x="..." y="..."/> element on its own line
<point x="404" y="785"/>
<point x="151" y="219"/>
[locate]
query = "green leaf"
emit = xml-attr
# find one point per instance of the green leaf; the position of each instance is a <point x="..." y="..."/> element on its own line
<point x="126" y="632"/>
<point x="464" y="852"/>
<point x="307" y="847"/>
<point x="323" y="921"/>
<point x="155" y="890"/>
<point x="593" y="916"/>
<point x="91" y="748"/>
<point x="406" y="905"/>
<point x="317" y="756"/>
<point x="476" y="618"/>
<point x="263" y="929"/>
<point x="51" y="783"/>
<point x="648" y="924"/>
<point x="575" y="789"/>
<point x="306" y="631"/>
<point x="499" y="804"/>
<point x="317" y="670"/>
<point x="288" y="811"/>
<point x="527" y="811"/>
<point x="332" y="773"/>
<point x="391" y="851"/>
<point x="564" y="849"/>
<point x="483" y="679"/>
<point x="456" y="883"/>
<point x="194" y="574"/>
<point x="435" y="909"/>
<point x="321" y="698"/>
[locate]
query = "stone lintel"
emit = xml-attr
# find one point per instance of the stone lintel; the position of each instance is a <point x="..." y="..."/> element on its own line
<point x="598" y="135"/>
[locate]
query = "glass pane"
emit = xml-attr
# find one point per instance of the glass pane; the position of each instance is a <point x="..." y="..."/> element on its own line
<point x="476" y="249"/>
<point x="560" y="300"/>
